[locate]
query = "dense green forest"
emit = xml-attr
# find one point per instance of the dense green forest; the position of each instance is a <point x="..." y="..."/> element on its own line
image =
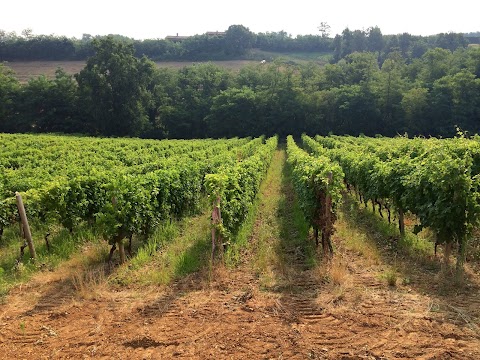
<point x="375" y="85"/>
<point x="235" y="42"/>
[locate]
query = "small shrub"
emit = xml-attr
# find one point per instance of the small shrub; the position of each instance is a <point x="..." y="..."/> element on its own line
<point x="391" y="277"/>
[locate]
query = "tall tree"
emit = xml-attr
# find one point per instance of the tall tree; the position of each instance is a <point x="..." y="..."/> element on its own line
<point x="324" y="29"/>
<point x="375" y="42"/>
<point x="359" y="41"/>
<point x="347" y="42"/>
<point x="238" y="39"/>
<point x="456" y="102"/>
<point x="388" y="88"/>
<point x="414" y="105"/>
<point x="234" y="113"/>
<point x="473" y="60"/>
<point x="436" y="64"/>
<point x="9" y="91"/>
<point x="337" y="48"/>
<point x="112" y="89"/>
<point x="196" y="86"/>
<point x="50" y="105"/>
<point x="404" y="41"/>
<point x="360" y="68"/>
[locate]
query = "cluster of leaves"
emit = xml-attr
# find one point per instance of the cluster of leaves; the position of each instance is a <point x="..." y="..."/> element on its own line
<point x="315" y="178"/>
<point x="118" y="193"/>
<point x="436" y="180"/>
<point x="237" y="186"/>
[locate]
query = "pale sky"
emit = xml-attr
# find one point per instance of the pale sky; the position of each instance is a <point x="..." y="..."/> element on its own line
<point x="143" y="19"/>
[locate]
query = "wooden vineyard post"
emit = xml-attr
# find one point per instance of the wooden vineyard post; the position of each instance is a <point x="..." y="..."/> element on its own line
<point x="118" y="240"/>
<point x="216" y="221"/>
<point x="21" y="232"/>
<point x="26" y="227"/>
<point x="401" y="222"/>
<point x="328" y="226"/>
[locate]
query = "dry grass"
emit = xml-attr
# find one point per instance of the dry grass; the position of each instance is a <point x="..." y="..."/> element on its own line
<point x="87" y="270"/>
<point x="174" y="251"/>
<point x="90" y="283"/>
<point x="390" y="276"/>
<point x="339" y="272"/>
<point x="358" y="242"/>
<point x="335" y="271"/>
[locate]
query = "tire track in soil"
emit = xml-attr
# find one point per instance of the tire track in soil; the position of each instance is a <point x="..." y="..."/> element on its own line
<point x="299" y="295"/>
<point x="59" y="293"/>
<point x="230" y="318"/>
<point x="385" y="324"/>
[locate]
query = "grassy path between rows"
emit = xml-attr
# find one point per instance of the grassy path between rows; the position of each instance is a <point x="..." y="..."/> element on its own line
<point x="279" y="238"/>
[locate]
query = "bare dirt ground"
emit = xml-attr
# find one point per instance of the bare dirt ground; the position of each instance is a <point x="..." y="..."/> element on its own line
<point x="340" y="311"/>
<point x="28" y="69"/>
<point x="231" y="318"/>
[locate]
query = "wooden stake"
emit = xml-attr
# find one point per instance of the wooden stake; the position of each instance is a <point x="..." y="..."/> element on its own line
<point x="401" y="222"/>
<point x="462" y="244"/>
<point x="216" y="220"/>
<point x="26" y="227"/>
<point x="327" y="232"/>
<point x="20" y="229"/>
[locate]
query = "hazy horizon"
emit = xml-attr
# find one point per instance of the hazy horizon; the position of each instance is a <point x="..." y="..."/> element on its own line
<point x="150" y="21"/>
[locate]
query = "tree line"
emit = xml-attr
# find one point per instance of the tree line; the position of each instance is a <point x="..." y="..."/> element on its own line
<point x="236" y="41"/>
<point x="119" y="94"/>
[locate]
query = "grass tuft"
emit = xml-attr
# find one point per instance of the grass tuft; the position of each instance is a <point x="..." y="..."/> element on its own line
<point x="176" y="249"/>
<point x="338" y="272"/>
<point x="88" y="283"/>
<point x="391" y="277"/>
<point x="381" y="234"/>
<point x="334" y="272"/>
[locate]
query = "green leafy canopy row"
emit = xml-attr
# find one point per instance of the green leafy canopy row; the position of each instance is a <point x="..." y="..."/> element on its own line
<point x="434" y="181"/>
<point x="318" y="183"/>
<point x="237" y="186"/>
<point x="124" y="203"/>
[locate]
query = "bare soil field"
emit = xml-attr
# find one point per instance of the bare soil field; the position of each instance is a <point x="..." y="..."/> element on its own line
<point x="28" y="69"/>
<point x="339" y="310"/>
<point x="231" y="317"/>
